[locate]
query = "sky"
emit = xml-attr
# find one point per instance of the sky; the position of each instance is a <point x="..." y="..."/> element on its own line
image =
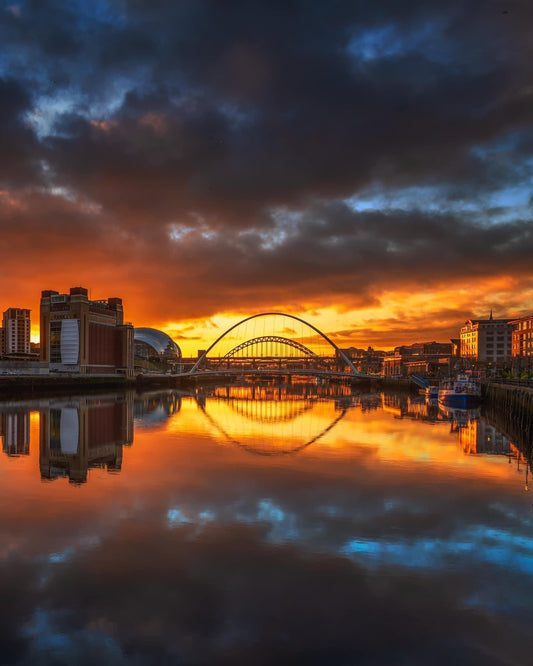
<point x="365" y="166"/>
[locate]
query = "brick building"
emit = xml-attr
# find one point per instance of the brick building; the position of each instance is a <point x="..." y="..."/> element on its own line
<point x="522" y="337"/>
<point x="80" y="335"/>
<point x="423" y="358"/>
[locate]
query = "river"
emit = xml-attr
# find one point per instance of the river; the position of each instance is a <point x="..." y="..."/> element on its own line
<point x="261" y="524"/>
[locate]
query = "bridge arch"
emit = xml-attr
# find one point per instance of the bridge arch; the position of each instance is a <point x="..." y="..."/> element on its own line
<point x="276" y="340"/>
<point x="276" y="314"/>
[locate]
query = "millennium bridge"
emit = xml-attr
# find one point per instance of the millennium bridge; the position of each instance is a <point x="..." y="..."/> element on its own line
<point x="274" y="344"/>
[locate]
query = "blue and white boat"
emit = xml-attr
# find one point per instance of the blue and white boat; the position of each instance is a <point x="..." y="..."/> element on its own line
<point x="463" y="391"/>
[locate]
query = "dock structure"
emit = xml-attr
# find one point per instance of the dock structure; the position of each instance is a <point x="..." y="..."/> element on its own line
<point x="510" y="408"/>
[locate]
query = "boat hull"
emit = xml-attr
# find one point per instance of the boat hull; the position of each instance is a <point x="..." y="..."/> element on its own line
<point x="459" y="400"/>
<point x="463" y="391"/>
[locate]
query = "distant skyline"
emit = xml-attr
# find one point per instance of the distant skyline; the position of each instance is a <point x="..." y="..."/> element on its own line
<point x="366" y="166"/>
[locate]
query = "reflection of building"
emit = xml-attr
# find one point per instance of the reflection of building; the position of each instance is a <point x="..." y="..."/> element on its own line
<point x="394" y="404"/>
<point x="522" y="336"/>
<point x="155" y="408"/>
<point x="486" y="340"/>
<point x="83" y="433"/>
<point x="16" y="331"/>
<point x="15" y="432"/>
<point x="477" y="436"/>
<point x="85" y="336"/>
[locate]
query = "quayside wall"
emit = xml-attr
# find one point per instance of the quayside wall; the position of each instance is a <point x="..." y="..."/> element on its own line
<point x="510" y="409"/>
<point x="32" y="385"/>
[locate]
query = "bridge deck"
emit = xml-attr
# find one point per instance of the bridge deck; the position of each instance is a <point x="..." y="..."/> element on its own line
<point x="279" y="372"/>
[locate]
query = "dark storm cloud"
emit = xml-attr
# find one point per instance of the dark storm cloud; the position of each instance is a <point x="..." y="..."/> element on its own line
<point x="242" y="126"/>
<point x="265" y="103"/>
<point x="334" y="250"/>
<point x="19" y="150"/>
<point x="329" y="252"/>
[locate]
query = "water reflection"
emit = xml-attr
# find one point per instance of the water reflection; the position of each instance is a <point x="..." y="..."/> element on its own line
<point x="15" y="430"/>
<point x="154" y="408"/>
<point x="78" y="434"/>
<point x="384" y="540"/>
<point x="271" y="420"/>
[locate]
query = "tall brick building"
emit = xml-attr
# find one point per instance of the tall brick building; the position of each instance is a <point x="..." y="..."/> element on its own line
<point x="523" y="337"/>
<point x="80" y="335"/>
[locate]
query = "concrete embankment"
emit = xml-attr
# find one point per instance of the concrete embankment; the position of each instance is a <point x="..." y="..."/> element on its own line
<point x="32" y="385"/>
<point x="24" y="386"/>
<point x="510" y="409"/>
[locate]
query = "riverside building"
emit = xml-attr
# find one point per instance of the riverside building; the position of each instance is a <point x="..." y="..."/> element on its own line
<point x="422" y="358"/>
<point x="522" y="337"/>
<point x="16" y="329"/>
<point x="487" y="340"/>
<point x="84" y="336"/>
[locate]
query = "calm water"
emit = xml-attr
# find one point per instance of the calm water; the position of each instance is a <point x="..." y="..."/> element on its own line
<point x="261" y="525"/>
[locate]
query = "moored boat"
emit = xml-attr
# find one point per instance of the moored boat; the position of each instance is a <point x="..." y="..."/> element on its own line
<point x="463" y="391"/>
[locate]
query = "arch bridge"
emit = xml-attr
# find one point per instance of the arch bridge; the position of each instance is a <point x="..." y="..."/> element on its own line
<point x="298" y="348"/>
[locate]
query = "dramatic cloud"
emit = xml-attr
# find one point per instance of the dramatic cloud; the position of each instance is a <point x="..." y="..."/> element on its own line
<point x="294" y="155"/>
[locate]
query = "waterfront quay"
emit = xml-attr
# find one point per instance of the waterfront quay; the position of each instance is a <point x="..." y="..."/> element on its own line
<point x="510" y="407"/>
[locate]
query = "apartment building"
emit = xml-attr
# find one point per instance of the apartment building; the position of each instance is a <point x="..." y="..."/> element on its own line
<point x="487" y="340"/>
<point x="16" y="330"/>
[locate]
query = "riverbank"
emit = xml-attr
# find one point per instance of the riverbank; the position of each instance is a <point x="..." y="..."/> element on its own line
<point x="510" y="409"/>
<point x="33" y="385"/>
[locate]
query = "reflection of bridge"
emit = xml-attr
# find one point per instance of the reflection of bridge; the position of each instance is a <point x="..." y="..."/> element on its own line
<point x="262" y="448"/>
<point x="269" y="411"/>
<point x="306" y="351"/>
<point x="267" y="420"/>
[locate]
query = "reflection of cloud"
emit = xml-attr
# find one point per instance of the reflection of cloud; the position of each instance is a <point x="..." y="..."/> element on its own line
<point x="262" y="602"/>
<point x="499" y="547"/>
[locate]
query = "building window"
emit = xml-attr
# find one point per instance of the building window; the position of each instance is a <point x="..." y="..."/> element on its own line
<point x="55" y="342"/>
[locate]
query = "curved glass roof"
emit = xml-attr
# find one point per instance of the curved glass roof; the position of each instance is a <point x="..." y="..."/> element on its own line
<point x="158" y="340"/>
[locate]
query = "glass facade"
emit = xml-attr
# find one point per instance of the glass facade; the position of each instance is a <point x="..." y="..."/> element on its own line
<point x="64" y="341"/>
<point x="55" y="341"/>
